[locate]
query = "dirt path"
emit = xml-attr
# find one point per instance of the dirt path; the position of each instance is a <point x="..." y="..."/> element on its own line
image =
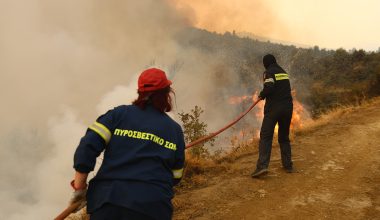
<point x="338" y="178"/>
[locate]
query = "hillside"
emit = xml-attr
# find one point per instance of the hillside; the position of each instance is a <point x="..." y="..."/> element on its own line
<point x="338" y="164"/>
<point x="323" y="79"/>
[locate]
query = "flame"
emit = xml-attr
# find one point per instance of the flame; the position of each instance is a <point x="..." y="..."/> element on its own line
<point x="245" y="132"/>
<point x="233" y="100"/>
<point x="299" y="113"/>
<point x="259" y="106"/>
<point x="298" y="117"/>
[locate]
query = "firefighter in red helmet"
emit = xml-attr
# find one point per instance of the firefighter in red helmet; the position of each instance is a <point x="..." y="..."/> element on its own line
<point x="143" y="156"/>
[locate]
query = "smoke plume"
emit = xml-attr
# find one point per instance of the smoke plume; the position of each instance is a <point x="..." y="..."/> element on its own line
<point x="63" y="63"/>
<point x="255" y="16"/>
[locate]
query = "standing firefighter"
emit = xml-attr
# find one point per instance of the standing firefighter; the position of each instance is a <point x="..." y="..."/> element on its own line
<point x="278" y="109"/>
<point x="143" y="156"/>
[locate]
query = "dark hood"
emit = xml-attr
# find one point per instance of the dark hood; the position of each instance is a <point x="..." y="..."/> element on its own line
<point x="268" y="60"/>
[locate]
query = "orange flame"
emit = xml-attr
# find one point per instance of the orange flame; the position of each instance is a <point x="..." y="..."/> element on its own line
<point x="299" y="113"/>
<point x="238" y="99"/>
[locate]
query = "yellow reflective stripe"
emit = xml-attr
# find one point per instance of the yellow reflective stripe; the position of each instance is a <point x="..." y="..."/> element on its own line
<point x="281" y="76"/>
<point x="102" y="131"/>
<point x="177" y="174"/>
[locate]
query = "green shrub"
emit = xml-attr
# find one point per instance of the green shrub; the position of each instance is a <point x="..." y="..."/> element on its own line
<point x="193" y="129"/>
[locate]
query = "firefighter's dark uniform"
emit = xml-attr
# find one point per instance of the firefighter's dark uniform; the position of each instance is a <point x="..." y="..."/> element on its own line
<point x="143" y="159"/>
<point x="278" y="109"/>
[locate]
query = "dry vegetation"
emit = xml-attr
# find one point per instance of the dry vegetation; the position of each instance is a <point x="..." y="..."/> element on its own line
<point x="332" y="114"/>
<point x="220" y="186"/>
<point x="199" y="170"/>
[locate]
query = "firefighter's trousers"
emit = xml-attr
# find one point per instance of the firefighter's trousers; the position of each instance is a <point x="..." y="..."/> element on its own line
<point x="281" y="114"/>
<point x="110" y="212"/>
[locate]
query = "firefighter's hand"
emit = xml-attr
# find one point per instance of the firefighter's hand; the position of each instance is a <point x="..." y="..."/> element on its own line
<point x="79" y="194"/>
<point x="78" y="199"/>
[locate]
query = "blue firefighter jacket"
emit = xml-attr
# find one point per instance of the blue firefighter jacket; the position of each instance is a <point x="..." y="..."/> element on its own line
<point x="143" y="159"/>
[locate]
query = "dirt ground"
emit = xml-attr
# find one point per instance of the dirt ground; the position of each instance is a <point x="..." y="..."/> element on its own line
<point x="338" y="177"/>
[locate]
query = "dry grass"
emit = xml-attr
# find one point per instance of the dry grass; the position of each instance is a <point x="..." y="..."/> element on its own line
<point x="333" y="114"/>
<point x="79" y="215"/>
<point x="238" y="152"/>
<point x="198" y="171"/>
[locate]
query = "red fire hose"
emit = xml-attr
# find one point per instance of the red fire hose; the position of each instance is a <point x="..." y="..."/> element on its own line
<point x="74" y="206"/>
<point x="206" y="138"/>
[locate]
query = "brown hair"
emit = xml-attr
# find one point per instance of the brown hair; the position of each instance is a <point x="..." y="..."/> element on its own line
<point x="160" y="99"/>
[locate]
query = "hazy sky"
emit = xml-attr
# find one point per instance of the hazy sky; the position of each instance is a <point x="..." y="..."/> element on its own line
<point x="326" y="23"/>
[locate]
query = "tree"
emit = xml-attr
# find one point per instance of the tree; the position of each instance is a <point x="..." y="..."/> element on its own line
<point x="193" y="129"/>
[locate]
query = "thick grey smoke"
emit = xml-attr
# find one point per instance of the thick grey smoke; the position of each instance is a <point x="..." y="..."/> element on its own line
<point x="62" y="63"/>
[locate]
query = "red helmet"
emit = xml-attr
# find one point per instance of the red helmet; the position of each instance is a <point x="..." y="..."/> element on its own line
<point x="152" y="79"/>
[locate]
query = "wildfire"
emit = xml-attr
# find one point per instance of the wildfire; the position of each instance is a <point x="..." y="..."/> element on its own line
<point x="299" y="112"/>
<point x="238" y="99"/>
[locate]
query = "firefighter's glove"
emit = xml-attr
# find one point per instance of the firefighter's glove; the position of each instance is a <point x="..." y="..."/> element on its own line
<point x="79" y="195"/>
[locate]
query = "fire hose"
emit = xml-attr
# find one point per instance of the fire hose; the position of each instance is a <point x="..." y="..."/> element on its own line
<point x="208" y="137"/>
<point x="75" y="206"/>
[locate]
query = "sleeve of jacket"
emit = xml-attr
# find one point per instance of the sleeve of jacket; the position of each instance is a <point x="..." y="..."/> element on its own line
<point x="179" y="163"/>
<point x="268" y="85"/>
<point x="94" y="142"/>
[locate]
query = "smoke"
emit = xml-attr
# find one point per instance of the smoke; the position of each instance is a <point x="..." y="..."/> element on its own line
<point x="62" y="63"/>
<point x="47" y="184"/>
<point x="255" y="16"/>
<point x="56" y="50"/>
